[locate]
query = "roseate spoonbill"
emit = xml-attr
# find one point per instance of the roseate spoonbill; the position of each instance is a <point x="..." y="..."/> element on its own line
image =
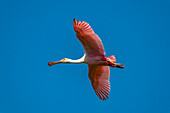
<point x="94" y="56"/>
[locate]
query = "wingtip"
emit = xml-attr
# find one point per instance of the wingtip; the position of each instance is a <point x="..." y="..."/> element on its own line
<point x="74" y="21"/>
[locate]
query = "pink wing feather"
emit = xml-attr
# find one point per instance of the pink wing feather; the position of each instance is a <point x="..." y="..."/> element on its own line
<point x="91" y="42"/>
<point x="99" y="76"/>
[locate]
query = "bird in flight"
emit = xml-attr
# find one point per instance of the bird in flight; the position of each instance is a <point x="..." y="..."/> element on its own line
<point x="94" y="56"/>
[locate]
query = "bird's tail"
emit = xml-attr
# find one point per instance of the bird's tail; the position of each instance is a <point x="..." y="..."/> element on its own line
<point x="111" y="60"/>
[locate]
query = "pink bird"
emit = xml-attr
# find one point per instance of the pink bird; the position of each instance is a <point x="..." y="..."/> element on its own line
<point x="94" y="56"/>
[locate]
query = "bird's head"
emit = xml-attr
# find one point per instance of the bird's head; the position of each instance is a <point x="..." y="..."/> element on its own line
<point x="65" y="60"/>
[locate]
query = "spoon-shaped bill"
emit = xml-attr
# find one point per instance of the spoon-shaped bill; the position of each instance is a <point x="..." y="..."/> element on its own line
<point x="53" y="63"/>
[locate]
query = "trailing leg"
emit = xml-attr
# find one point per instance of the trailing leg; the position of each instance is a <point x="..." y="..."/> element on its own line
<point x="120" y="66"/>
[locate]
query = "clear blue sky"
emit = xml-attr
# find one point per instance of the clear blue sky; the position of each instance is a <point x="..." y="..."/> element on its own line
<point x="34" y="32"/>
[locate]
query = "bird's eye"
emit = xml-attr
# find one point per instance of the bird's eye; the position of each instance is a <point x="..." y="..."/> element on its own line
<point x="64" y="59"/>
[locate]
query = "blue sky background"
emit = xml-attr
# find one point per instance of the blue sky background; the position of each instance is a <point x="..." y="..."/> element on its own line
<point x="34" y="32"/>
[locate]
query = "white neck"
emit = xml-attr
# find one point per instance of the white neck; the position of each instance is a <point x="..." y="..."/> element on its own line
<point x="81" y="60"/>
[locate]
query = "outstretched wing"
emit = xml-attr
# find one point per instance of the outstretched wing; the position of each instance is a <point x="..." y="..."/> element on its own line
<point x="99" y="76"/>
<point x="91" y="42"/>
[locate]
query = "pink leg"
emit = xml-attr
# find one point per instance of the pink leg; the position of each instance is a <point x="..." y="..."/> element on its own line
<point x="120" y="66"/>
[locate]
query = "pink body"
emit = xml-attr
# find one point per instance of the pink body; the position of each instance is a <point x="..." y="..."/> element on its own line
<point x="95" y="58"/>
